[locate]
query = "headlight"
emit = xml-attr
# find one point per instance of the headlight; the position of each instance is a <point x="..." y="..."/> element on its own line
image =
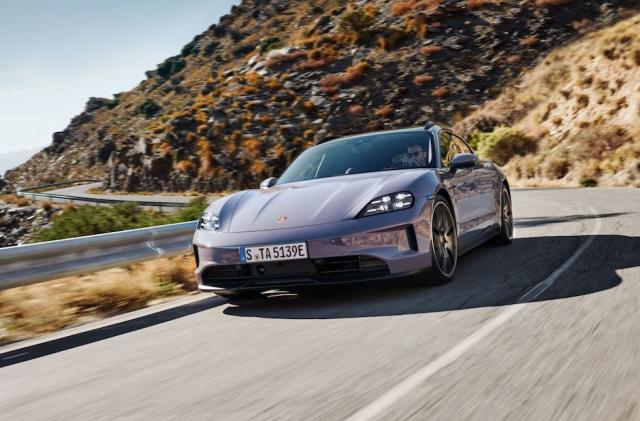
<point x="209" y="222"/>
<point x="388" y="203"/>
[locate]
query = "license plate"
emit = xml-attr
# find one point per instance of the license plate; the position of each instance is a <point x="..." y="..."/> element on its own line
<point x="273" y="253"/>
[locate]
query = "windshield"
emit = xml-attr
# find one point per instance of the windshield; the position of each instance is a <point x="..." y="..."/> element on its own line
<point x="363" y="154"/>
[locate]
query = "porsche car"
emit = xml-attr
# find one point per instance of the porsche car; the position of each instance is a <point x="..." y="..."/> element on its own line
<point x="386" y="205"/>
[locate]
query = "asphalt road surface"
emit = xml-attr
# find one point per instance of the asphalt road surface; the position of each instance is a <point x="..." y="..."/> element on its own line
<point x="82" y="191"/>
<point x="546" y="328"/>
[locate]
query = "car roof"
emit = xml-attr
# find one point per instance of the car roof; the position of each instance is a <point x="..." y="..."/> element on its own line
<point x="428" y="126"/>
<point x="355" y="136"/>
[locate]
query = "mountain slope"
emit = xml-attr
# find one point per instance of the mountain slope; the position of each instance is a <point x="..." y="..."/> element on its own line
<point x="246" y="96"/>
<point x="581" y="106"/>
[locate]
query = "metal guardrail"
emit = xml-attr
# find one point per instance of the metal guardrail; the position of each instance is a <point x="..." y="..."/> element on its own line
<point x="33" y="263"/>
<point x="33" y="194"/>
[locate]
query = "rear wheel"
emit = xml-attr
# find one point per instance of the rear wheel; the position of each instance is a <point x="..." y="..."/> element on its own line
<point x="505" y="236"/>
<point x="444" y="244"/>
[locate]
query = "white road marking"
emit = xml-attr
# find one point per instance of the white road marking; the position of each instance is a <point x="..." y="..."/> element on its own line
<point x="384" y="402"/>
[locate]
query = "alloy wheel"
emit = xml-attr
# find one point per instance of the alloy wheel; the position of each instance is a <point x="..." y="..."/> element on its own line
<point x="445" y="241"/>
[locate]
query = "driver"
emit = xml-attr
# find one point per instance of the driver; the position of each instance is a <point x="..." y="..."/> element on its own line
<point x="417" y="156"/>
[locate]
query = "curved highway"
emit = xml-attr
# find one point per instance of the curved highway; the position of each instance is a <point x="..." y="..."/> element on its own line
<point x="546" y="328"/>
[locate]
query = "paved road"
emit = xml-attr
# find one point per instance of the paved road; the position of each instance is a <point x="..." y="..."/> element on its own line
<point x="82" y="191"/>
<point x="472" y="349"/>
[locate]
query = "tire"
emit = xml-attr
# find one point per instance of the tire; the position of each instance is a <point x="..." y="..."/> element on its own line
<point x="444" y="244"/>
<point x="505" y="236"/>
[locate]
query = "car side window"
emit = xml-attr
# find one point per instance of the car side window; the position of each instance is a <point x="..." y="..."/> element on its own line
<point x="445" y="149"/>
<point x="460" y="145"/>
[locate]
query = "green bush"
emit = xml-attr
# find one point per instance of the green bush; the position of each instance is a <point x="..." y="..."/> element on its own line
<point x="89" y="219"/>
<point x="149" y="108"/>
<point x="588" y="182"/>
<point x="502" y="144"/>
<point x="105" y="151"/>
<point x="171" y="66"/>
<point x="211" y="48"/>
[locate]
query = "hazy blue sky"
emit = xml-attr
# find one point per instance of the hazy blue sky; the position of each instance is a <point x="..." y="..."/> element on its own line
<point x="55" y="54"/>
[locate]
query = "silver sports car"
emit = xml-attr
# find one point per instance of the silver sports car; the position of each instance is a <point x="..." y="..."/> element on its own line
<point x="376" y="206"/>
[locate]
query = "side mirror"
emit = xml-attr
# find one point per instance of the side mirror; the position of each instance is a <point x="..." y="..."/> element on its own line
<point x="463" y="160"/>
<point x="269" y="182"/>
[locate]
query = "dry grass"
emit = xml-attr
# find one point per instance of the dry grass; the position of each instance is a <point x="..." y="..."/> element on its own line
<point x="33" y="310"/>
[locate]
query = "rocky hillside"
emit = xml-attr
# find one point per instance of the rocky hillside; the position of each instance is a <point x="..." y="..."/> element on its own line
<point x="273" y="76"/>
<point x="576" y="115"/>
<point x="21" y="219"/>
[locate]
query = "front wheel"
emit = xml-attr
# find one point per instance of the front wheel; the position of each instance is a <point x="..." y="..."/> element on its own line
<point x="505" y="236"/>
<point x="444" y="244"/>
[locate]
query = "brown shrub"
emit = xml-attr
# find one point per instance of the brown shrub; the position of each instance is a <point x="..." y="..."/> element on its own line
<point x="258" y="167"/>
<point x="350" y="76"/>
<point x="440" y="91"/>
<point x="355" y="72"/>
<point x="265" y="119"/>
<point x="582" y="101"/>
<point x="430" y="49"/>
<point x="276" y="60"/>
<point x="555" y="168"/>
<point x="374" y="125"/>
<point x="185" y="166"/>
<point x="513" y="59"/>
<point x="416" y="24"/>
<point x="272" y="83"/>
<point x="401" y="8"/>
<point x="529" y="41"/>
<point x="252" y="147"/>
<point x="541" y="3"/>
<point x="384" y="111"/>
<point x="47" y="205"/>
<point x="315" y="64"/>
<point x="12" y="199"/>
<point x="475" y="4"/>
<point x="422" y="79"/>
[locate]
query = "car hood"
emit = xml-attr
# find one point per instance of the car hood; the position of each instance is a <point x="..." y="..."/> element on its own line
<point x="312" y="202"/>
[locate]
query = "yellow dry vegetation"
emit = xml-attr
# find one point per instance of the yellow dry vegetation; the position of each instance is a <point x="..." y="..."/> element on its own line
<point x="33" y="310"/>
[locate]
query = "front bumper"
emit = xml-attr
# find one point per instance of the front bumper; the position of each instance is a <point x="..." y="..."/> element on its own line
<point x="372" y="248"/>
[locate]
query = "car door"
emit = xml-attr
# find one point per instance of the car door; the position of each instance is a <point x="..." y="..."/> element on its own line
<point x="460" y="185"/>
<point x="484" y="188"/>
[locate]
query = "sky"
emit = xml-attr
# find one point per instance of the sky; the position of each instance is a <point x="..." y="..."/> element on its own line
<point x="54" y="55"/>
